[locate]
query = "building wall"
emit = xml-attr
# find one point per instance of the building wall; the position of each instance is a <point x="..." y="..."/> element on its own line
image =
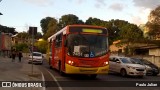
<point x="5" y="44"/>
<point x="153" y="59"/>
<point x="115" y="48"/>
<point x="155" y="52"/>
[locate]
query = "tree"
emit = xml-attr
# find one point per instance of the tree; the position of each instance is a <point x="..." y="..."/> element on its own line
<point x="96" y="21"/>
<point x="114" y="28"/>
<point x="38" y="35"/>
<point x="129" y="35"/>
<point x="68" y="20"/>
<point x="6" y="29"/>
<point x="45" y="23"/>
<point x="23" y="35"/>
<point x="22" y="47"/>
<point x="52" y="29"/>
<point x="41" y="45"/>
<point x="154" y="23"/>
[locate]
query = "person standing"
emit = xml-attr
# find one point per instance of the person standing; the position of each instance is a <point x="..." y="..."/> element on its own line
<point x="13" y="55"/>
<point x="20" y="55"/>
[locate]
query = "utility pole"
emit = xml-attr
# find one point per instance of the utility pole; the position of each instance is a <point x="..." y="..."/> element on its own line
<point x="0" y="32"/>
<point x="32" y="31"/>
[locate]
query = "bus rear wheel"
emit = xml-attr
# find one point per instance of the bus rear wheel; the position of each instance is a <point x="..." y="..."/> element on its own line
<point x="50" y="65"/>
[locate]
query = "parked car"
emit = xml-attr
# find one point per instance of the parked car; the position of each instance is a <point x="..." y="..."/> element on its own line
<point x="125" y="66"/>
<point x="37" y="58"/>
<point x="151" y="69"/>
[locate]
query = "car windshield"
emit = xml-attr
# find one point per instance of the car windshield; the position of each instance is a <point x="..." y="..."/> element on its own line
<point x="146" y="62"/>
<point x="125" y="60"/>
<point x="136" y="61"/>
<point x="37" y="54"/>
<point x="84" y="45"/>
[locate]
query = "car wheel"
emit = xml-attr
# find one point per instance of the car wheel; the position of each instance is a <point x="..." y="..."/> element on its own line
<point x="154" y="74"/>
<point x="123" y="72"/>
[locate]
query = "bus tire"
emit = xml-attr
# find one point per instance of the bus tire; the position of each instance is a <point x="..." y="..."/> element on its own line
<point x="59" y="69"/>
<point x="50" y="65"/>
<point x="93" y="76"/>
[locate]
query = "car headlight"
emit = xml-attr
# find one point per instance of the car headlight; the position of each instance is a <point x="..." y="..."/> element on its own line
<point x="148" y="67"/>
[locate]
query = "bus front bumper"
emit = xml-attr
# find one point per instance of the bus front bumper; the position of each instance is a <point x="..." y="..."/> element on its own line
<point x="85" y="70"/>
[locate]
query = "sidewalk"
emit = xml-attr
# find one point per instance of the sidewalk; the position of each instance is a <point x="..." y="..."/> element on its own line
<point x="19" y="71"/>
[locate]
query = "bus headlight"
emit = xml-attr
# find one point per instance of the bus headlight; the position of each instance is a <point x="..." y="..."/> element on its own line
<point x="105" y="63"/>
<point x="70" y="62"/>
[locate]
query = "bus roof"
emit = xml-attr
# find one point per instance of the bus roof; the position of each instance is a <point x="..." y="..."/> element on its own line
<point x="54" y="35"/>
<point x="75" y="25"/>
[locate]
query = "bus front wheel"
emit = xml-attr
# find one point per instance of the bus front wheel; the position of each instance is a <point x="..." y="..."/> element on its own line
<point x="93" y="76"/>
<point x="60" y="71"/>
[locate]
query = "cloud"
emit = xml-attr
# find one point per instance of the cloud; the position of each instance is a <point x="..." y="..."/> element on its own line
<point x="99" y="3"/>
<point x="151" y="4"/>
<point x="80" y="1"/>
<point x="117" y="6"/>
<point x="40" y="2"/>
<point x="142" y="16"/>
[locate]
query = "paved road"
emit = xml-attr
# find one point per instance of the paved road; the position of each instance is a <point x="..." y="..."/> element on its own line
<point x="102" y="82"/>
<point x="19" y="71"/>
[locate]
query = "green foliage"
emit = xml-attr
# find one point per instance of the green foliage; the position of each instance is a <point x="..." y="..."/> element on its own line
<point x="42" y="46"/>
<point x="118" y="29"/>
<point x="23" y="35"/>
<point x="22" y="47"/>
<point x="69" y="20"/>
<point x="154" y="24"/>
<point x="45" y="23"/>
<point x="49" y="27"/>
<point x="52" y="28"/>
<point x="6" y="29"/>
<point x="95" y="21"/>
<point x="38" y="35"/>
<point x="130" y="33"/>
<point x="153" y="29"/>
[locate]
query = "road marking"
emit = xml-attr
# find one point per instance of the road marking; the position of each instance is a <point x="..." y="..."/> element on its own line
<point x="43" y="88"/>
<point x="60" y="88"/>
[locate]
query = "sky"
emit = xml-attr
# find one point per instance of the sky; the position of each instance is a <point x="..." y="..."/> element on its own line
<point x="21" y="14"/>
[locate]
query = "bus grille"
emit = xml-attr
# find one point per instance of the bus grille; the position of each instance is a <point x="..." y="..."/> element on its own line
<point x="91" y="70"/>
<point x="87" y="63"/>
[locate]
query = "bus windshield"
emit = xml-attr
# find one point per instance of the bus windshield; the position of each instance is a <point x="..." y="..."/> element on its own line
<point x="87" y="45"/>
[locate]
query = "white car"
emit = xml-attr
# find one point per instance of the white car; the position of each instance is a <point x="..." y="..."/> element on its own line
<point x="125" y="66"/>
<point x="37" y="58"/>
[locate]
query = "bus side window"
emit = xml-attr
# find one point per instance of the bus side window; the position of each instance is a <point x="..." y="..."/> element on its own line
<point x="58" y="42"/>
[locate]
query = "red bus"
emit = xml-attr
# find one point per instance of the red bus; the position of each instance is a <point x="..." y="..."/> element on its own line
<point x="80" y="49"/>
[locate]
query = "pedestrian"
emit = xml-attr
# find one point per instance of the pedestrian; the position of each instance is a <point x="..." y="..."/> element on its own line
<point x="13" y="55"/>
<point x="20" y="55"/>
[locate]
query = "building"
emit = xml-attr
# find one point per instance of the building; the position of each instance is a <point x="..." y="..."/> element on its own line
<point x="117" y="49"/>
<point x="5" y="44"/>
